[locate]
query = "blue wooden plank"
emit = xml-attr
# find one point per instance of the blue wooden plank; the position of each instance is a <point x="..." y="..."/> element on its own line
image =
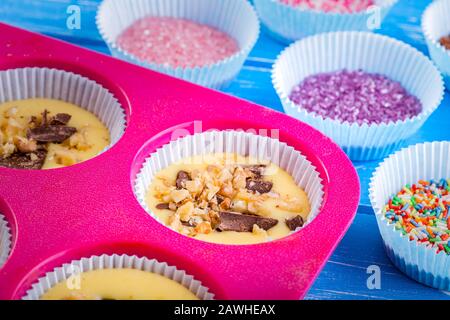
<point x="344" y="276"/>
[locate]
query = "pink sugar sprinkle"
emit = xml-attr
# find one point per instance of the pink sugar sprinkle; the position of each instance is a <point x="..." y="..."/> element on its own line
<point x="176" y="42"/>
<point x="336" y="6"/>
<point x="356" y="97"/>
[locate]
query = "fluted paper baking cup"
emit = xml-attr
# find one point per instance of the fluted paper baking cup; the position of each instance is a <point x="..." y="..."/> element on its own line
<point x="30" y="83"/>
<point x="435" y="25"/>
<point x="237" y="18"/>
<point x="371" y="53"/>
<point x="422" y="161"/>
<point x="289" y="23"/>
<point x="234" y="142"/>
<point x="115" y="261"/>
<point x="5" y="240"/>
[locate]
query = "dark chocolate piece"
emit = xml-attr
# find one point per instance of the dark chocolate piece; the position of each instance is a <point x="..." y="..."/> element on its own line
<point x="20" y="160"/>
<point x="257" y="170"/>
<point x="55" y="134"/>
<point x="294" y="223"/>
<point x="163" y="206"/>
<point x="61" y="119"/>
<point x="259" y="186"/>
<point x="44" y="118"/>
<point x="219" y="198"/>
<point x="230" y="221"/>
<point x="182" y="176"/>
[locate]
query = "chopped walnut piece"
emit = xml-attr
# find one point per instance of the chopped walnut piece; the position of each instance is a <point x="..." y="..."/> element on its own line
<point x="26" y="145"/>
<point x="179" y="195"/>
<point x="185" y="211"/>
<point x="259" y="231"/>
<point x="291" y="204"/>
<point x="78" y="141"/>
<point x="7" y="149"/>
<point x="203" y="228"/>
<point x="65" y="158"/>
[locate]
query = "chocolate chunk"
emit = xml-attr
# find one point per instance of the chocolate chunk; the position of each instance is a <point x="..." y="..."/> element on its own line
<point x="25" y="160"/>
<point x="163" y="206"/>
<point x="182" y="176"/>
<point x="219" y="198"/>
<point x="259" y="186"/>
<point x="294" y="223"/>
<point x="60" y="119"/>
<point x="230" y="221"/>
<point x="55" y="134"/>
<point x="45" y="117"/>
<point x="257" y="170"/>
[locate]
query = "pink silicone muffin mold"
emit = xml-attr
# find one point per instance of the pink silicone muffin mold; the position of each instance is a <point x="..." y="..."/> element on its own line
<point x="90" y="209"/>
<point x="5" y="240"/>
<point x="115" y="261"/>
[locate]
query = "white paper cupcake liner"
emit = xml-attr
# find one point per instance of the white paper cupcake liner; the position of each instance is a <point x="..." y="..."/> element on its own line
<point x="5" y="240"/>
<point x="116" y="262"/>
<point x="235" y="17"/>
<point x="289" y="23"/>
<point x="423" y="161"/>
<point x="371" y="53"/>
<point x="234" y="142"/>
<point x="435" y="25"/>
<point x="29" y="83"/>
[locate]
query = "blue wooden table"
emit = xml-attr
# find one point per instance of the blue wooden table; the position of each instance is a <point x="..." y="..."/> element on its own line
<point x="345" y="275"/>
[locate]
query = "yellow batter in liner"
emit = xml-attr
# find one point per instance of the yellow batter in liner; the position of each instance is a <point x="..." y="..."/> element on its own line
<point x="92" y="135"/>
<point x="119" y="284"/>
<point x="291" y="201"/>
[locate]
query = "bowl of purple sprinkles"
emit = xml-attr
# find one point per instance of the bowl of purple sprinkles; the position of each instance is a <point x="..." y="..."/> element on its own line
<point x="367" y="92"/>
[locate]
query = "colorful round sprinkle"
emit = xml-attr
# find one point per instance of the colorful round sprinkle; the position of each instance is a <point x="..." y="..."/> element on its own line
<point x="355" y="97"/>
<point x="421" y="211"/>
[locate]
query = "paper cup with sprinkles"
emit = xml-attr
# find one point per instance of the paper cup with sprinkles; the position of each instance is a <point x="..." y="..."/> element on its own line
<point x="290" y="20"/>
<point x="5" y="240"/>
<point x="201" y="41"/>
<point x="367" y="92"/>
<point x="410" y="193"/>
<point x="436" y="27"/>
<point x="117" y="277"/>
<point x="230" y="187"/>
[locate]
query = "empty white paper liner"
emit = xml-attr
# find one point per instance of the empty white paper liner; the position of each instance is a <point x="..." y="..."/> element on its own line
<point x="422" y="161"/>
<point x="371" y="53"/>
<point x="235" y="17"/>
<point x="234" y="142"/>
<point x="289" y="23"/>
<point x="30" y="83"/>
<point x="435" y="25"/>
<point x="5" y="240"/>
<point x="115" y="261"/>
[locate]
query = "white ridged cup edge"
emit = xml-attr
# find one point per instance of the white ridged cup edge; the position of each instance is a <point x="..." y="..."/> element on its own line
<point x="235" y="17"/>
<point x="47" y="83"/>
<point x="115" y="261"/>
<point x="5" y="240"/>
<point x="234" y="142"/>
<point x="434" y="21"/>
<point x="407" y="166"/>
<point x="422" y="75"/>
<point x="290" y="23"/>
<point x="442" y="9"/>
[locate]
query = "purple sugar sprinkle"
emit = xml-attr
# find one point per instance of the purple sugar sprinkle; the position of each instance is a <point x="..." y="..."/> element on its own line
<point x="356" y="97"/>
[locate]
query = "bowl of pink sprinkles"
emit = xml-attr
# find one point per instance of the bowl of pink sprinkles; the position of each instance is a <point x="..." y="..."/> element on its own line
<point x="201" y="41"/>
<point x="367" y="92"/>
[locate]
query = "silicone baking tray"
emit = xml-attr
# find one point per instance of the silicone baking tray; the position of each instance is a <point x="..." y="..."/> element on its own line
<point x="64" y="214"/>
